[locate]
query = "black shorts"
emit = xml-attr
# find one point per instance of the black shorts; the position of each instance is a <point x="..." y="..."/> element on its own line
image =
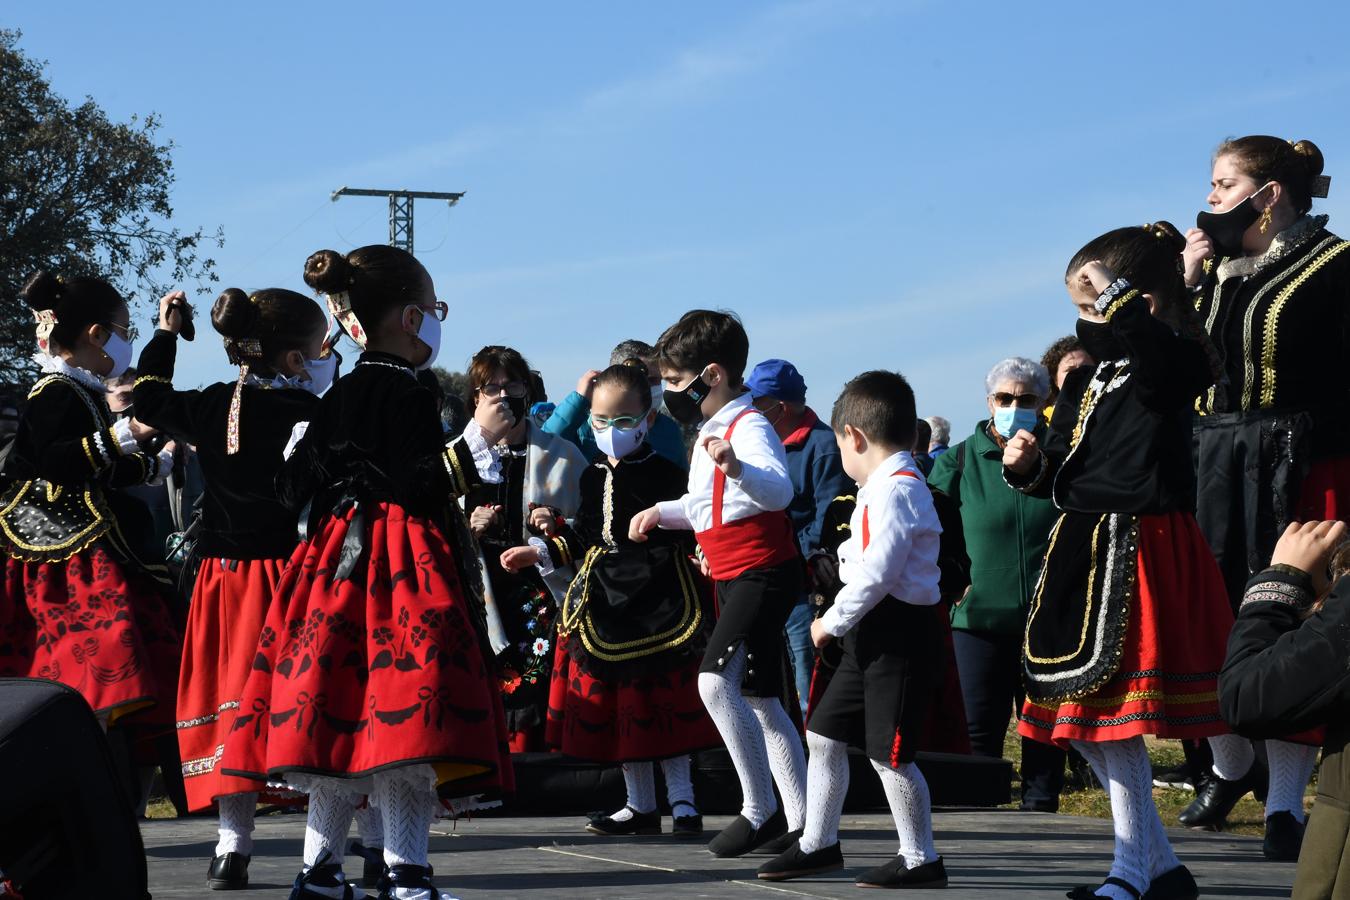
<point x="879" y="697"/>
<point x="752" y="609"/>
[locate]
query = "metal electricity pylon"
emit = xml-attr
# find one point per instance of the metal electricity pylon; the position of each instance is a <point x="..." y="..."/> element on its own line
<point x="400" y="209"/>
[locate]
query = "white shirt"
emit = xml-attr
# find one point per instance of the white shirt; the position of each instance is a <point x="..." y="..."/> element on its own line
<point x="764" y="485"/>
<point x="901" y="557"/>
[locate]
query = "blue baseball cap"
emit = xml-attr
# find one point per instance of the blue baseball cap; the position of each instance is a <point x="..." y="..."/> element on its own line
<point x="779" y="379"/>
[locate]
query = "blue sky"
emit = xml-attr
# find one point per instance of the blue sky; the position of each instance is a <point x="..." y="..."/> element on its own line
<point x="869" y="184"/>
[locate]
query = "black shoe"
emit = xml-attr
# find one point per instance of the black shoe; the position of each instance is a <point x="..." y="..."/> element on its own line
<point x="322" y="874"/>
<point x="228" y="872"/>
<point x="373" y="869"/>
<point x="1040" y="805"/>
<point x="895" y="875"/>
<point x="1215" y="800"/>
<point x="639" y="823"/>
<point x="1084" y="892"/>
<point x="740" y="837"/>
<point x="1284" y="837"/>
<point x="410" y="877"/>
<point x="687" y="826"/>
<point x="780" y="844"/>
<point x="1174" y="884"/>
<point x="1177" y="778"/>
<point x="793" y="863"/>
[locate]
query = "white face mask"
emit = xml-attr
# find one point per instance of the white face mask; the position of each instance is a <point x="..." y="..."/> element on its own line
<point x="320" y="372"/>
<point x="119" y="351"/>
<point x="618" y="443"/>
<point x="429" y="333"/>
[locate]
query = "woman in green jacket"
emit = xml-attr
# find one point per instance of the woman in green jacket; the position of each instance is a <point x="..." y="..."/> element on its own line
<point x="1006" y="533"/>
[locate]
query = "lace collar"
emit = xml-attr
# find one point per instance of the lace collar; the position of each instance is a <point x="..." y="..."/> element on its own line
<point x="277" y="382"/>
<point x="1285" y="243"/>
<point x="55" y="365"/>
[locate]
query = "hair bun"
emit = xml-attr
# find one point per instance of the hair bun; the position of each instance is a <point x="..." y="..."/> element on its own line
<point x="1312" y="157"/>
<point x="328" y="272"/>
<point x="42" y="290"/>
<point x="633" y="362"/>
<point x="235" y="315"/>
<point x="1166" y="231"/>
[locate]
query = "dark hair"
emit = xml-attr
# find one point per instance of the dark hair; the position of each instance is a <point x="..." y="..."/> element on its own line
<point x="703" y="337"/>
<point x="1296" y="165"/>
<point x="490" y="359"/>
<point x="538" y="392"/>
<point x="629" y="375"/>
<point x="376" y="279"/>
<point x="128" y="376"/>
<point x="77" y="303"/>
<point x="923" y="435"/>
<point x="1054" y="355"/>
<point x="261" y="326"/>
<point x="880" y="404"/>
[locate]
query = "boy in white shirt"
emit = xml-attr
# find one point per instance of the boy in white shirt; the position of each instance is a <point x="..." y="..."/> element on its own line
<point x="736" y="504"/>
<point x="891" y="643"/>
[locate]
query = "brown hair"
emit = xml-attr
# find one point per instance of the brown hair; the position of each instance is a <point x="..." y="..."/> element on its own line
<point x="703" y="337"/>
<point x="1296" y="165"/>
<point x="376" y="279"/>
<point x="261" y="326"/>
<point x="630" y="375"/>
<point x="490" y="359"/>
<point x="881" y="405"/>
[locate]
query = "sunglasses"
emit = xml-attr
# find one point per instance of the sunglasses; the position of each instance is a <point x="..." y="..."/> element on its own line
<point x="1022" y="401"/>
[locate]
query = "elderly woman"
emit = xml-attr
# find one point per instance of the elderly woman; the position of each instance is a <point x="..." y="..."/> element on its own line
<point x="1006" y="534"/>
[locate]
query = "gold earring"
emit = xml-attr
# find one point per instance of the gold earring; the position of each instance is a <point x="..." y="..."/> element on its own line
<point x="1265" y="220"/>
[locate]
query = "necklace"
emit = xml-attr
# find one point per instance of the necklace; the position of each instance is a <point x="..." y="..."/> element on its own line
<point x="376" y="362"/>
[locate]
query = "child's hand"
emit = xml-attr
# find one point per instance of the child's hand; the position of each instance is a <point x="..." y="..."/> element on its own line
<point x="723" y="455"/>
<point x="1308" y="546"/>
<point x="541" y="520"/>
<point x="1095" y="276"/>
<point x="819" y="636"/>
<point x="483" y="518"/>
<point x="642" y="523"/>
<point x="142" y="432"/>
<point x="1198" y="249"/>
<point x="518" y="558"/>
<point x="171" y="308"/>
<point x="1021" y="454"/>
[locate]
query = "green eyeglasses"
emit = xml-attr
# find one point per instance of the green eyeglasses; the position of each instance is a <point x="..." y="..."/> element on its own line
<point x="623" y="423"/>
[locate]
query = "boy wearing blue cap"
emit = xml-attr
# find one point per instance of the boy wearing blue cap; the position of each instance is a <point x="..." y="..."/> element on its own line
<point x="779" y="392"/>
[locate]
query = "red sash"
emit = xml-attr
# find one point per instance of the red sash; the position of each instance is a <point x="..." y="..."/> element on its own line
<point x="867" y="528"/>
<point x="757" y="542"/>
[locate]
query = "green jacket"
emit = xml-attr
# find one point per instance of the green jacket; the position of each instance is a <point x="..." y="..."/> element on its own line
<point x="1006" y="534"/>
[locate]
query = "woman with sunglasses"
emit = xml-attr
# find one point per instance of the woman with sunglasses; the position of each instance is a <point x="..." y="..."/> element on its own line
<point x="632" y="624"/>
<point x="277" y="339"/>
<point x="538" y="489"/>
<point x="1006" y="533"/>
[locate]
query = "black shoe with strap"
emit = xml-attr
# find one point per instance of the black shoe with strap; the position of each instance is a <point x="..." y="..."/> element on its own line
<point x="228" y="872"/>
<point x="740" y="837"/>
<point x="637" y="823"/>
<point x="410" y="876"/>
<point x="1085" y="892"/>
<point x="373" y="869"/>
<point x="896" y="874"/>
<point x="1174" y="884"/>
<point x="322" y="874"/>
<point x="689" y="825"/>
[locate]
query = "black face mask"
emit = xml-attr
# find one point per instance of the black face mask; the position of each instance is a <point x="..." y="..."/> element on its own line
<point x="517" y="407"/>
<point x="1226" y="229"/>
<point x="1100" y="341"/>
<point x="687" y="405"/>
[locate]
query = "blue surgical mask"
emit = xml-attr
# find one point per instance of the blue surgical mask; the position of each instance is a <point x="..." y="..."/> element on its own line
<point x="1008" y="420"/>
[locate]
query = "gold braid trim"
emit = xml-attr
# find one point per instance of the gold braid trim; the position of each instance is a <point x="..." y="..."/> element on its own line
<point x="89" y="454"/>
<point x="1271" y="330"/>
<point x="572" y="614"/>
<point x="563" y="552"/>
<point x="81" y="540"/>
<point x="151" y="379"/>
<point x="461" y="483"/>
<point x="1120" y="302"/>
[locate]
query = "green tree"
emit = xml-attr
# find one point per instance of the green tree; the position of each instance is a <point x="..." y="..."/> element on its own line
<point x="82" y="194"/>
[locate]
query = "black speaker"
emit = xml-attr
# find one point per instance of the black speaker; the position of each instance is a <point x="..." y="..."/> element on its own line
<point x="66" y="826"/>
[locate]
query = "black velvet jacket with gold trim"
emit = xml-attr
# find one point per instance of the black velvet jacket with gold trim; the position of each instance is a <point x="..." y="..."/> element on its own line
<point x="63" y="473"/>
<point x="1281" y="322"/>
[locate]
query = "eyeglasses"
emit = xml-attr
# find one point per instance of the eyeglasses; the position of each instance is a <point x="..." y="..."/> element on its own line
<point x="514" y="389"/>
<point x="623" y="423"/>
<point x="437" y="308"/>
<point x="1023" y="401"/>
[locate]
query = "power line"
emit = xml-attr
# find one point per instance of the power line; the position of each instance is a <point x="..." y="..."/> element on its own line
<point x="400" y="209"/>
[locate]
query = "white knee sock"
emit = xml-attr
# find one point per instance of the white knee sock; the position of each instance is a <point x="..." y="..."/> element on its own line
<point x="370" y="826"/>
<point x="406" y="799"/>
<point x="1291" y="767"/>
<point x="330" y="816"/>
<point x="639" y="779"/>
<point x="735" y="721"/>
<point x="826" y="785"/>
<point x="1134" y="816"/>
<point x="236" y="823"/>
<point x="1233" y="756"/>
<point x="679" y="786"/>
<point x="912" y="808"/>
<point x="787" y="760"/>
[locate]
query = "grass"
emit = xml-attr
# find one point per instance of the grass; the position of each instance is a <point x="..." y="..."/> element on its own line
<point x="1248" y="817"/>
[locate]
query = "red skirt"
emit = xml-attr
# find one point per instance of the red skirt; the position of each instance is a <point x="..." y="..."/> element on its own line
<point x="1167" y="682"/>
<point x="647" y="717"/>
<point x="229" y="604"/>
<point x="97" y="626"/>
<point x="374" y="672"/>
